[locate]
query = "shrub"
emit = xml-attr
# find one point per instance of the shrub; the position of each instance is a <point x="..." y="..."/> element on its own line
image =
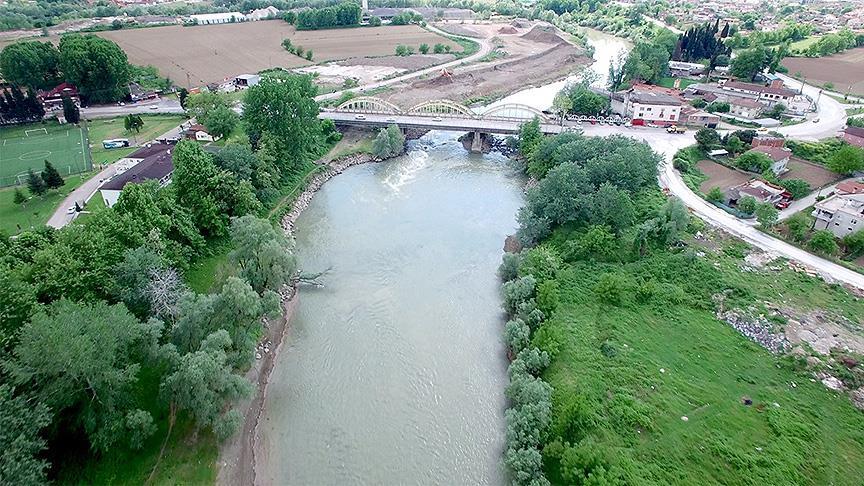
<point x="854" y="243"/>
<point x="610" y="288"/>
<point x="509" y="268"/>
<point x="797" y="187"/>
<point x="542" y="262"/>
<point x="517" y="334"/>
<point x="753" y="161"/>
<point x="374" y="21"/>
<point x="390" y="142"/>
<point x="715" y="194"/>
<point x="707" y="138"/>
<point x="424" y="48"/>
<point x="718" y="107"/>
<point x="548" y="294"/>
<point x="517" y="292"/>
<point x="403" y="50"/>
<point x="698" y="103"/>
<point x="798" y="224"/>
<point x="747" y="204"/>
<point x="439" y="49"/>
<point x="823" y="241"/>
<point x="766" y="215"/>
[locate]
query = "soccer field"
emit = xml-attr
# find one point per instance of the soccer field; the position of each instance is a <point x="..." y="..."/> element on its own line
<point x="28" y="146"/>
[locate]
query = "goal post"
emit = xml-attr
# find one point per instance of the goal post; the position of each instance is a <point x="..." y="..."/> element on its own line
<point x="41" y="131"/>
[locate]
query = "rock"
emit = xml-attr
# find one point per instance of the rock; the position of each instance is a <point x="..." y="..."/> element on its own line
<point x="857" y="397"/>
<point x="662" y="370"/>
<point x="832" y="383"/>
<point x="512" y="244"/>
<point x="813" y="361"/>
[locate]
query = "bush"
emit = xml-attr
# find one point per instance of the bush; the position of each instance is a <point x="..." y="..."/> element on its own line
<point x="753" y="162"/>
<point x="374" y="21"/>
<point x="718" y="107"/>
<point x="798" y="224"/>
<point x="610" y="288"/>
<point x="823" y="241"/>
<point x="715" y="195"/>
<point x="439" y="48"/>
<point x="424" y="48"/>
<point x="707" y="138"/>
<point x="403" y="50"/>
<point x="854" y="243"/>
<point x="390" y="142"/>
<point x="518" y="291"/>
<point x="548" y="294"/>
<point x="517" y="334"/>
<point x="797" y="187"/>
<point x="766" y="215"/>
<point x="541" y="262"/>
<point x="509" y="268"/>
<point x="698" y="103"/>
<point x="747" y="204"/>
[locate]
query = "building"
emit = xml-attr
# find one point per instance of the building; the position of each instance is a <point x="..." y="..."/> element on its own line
<point x="649" y="104"/>
<point x="53" y="100"/>
<point x="745" y="108"/>
<point x="766" y="141"/>
<point x="769" y="95"/>
<point x="157" y="167"/>
<point x="139" y="155"/>
<point x="841" y="214"/>
<point x="703" y="119"/>
<point x="854" y="136"/>
<point x="680" y="68"/>
<point x="761" y="191"/>
<point x="247" y="80"/>
<point x="137" y="93"/>
<point x="217" y="18"/>
<point x="270" y="12"/>
<point x="779" y="157"/>
<point x="198" y="133"/>
<point x="850" y="187"/>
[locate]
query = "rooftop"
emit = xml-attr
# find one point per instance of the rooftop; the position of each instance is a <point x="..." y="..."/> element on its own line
<point x="855" y="131"/>
<point x="847" y="203"/>
<point x="745" y="102"/>
<point x="758" y="88"/>
<point x="850" y="187"/>
<point x="148" y="150"/>
<point x="154" y="167"/>
<point x="774" y="153"/>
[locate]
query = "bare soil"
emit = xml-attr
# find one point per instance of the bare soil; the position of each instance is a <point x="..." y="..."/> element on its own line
<point x="814" y="174"/>
<point x="459" y="29"/>
<point x="720" y="176"/>
<point x="843" y="70"/>
<point x="212" y="53"/>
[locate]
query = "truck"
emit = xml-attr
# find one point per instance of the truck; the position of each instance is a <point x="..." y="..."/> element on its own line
<point x="675" y="129"/>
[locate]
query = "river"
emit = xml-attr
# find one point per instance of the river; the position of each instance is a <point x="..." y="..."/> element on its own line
<point x="394" y="372"/>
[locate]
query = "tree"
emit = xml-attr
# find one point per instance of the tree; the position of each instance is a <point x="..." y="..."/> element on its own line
<point x="221" y="121"/>
<point x="823" y="241"/>
<point x="70" y="110"/>
<point x="747" y="204"/>
<point x="52" y="178"/>
<point x="286" y="113"/>
<point x="403" y="50"/>
<point x="201" y="383"/>
<point x="19" y="197"/>
<point x="798" y="224"/>
<point x="707" y="138"/>
<point x="854" y="243"/>
<point x="718" y="107"/>
<point x="750" y="62"/>
<point x="83" y="359"/>
<point x="35" y="184"/>
<point x="734" y="144"/>
<point x="31" y="63"/>
<point x="309" y="55"/>
<point x="132" y="122"/>
<point x="616" y="71"/>
<point x="775" y="111"/>
<point x="262" y="253"/>
<point x="390" y="142"/>
<point x="847" y="160"/>
<point x="578" y="99"/>
<point x="715" y="195"/>
<point x="374" y="21"/>
<point x="530" y="137"/>
<point x="612" y="207"/>
<point x="610" y="288"/>
<point x="766" y="214"/>
<point x="424" y="48"/>
<point x="753" y="161"/>
<point x="245" y="165"/>
<point x="21" y="421"/>
<point x="797" y="187"/>
<point x="97" y="66"/>
<point x="439" y="48"/>
<point x="182" y="95"/>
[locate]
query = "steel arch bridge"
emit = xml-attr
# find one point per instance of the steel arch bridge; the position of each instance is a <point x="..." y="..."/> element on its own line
<point x="442" y="108"/>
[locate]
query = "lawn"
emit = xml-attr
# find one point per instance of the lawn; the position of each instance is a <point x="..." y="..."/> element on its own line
<point x="653" y="390"/>
<point x="35" y="212"/>
<point x="669" y="82"/>
<point x="108" y="128"/>
<point x="803" y="44"/>
<point x="26" y="147"/>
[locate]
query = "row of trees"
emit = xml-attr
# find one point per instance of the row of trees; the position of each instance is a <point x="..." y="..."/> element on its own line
<point x="298" y="51"/>
<point x="340" y="15"/>
<point x="15" y="107"/>
<point x="97" y="66"/>
<point x="702" y="42"/>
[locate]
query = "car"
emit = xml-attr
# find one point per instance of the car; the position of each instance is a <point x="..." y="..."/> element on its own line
<point x="437" y="119"/>
<point x="70" y="210"/>
<point x="359" y="117"/>
<point x="761" y="129"/>
<point x="816" y="120"/>
<point x="782" y="205"/>
<point x="154" y="107"/>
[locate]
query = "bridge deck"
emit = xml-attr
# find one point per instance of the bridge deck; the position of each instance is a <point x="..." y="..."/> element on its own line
<point x="428" y="123"/>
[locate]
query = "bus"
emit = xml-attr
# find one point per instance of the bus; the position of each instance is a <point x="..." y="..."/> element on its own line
<point x="115" y="143"/>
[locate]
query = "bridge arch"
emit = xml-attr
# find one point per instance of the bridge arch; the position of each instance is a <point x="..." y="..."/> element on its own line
<point x="513" y="111"/>
<point x="441" y="107"/>
<point x="368" y="104"/>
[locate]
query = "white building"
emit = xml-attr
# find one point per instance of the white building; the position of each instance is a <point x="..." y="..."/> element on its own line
<point x="840" y="214"/>
<point x="647" y="106"/>
<point x="247" y="80"/>
<point x="217" y="18"/>
<point x="263" y="13"/>
<point x="681" y="68"/>
<point x="768" y="95"/>
<point x="157" y="167"/>
<point x="779" y="157"/>
<point x="745" y="107"/>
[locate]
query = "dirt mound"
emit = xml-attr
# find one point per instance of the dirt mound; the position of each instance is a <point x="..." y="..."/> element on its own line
<point x="546" y="35"/>
<point x="507" y="29"/>
<point x="440" y="80"/>
<point x="520" y="23"/>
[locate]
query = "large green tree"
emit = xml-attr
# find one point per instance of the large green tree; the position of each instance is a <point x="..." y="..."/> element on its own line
<point x="21" y="421"/>
<point x="847" y="160"/>
<point x="262" y="253"/>
<point x="97" y="66"/>
<point x="31" y="63"/>
<point x="284" y="111"/>
<point x="750" y="62"/>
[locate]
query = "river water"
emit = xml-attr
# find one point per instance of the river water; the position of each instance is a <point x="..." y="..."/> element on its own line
<point x="394" y="372"/>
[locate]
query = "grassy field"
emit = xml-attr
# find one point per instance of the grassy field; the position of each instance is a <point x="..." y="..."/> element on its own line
<point x="651" y="391"/>
<point x="108" y="128"/>
<point x="28" y="146"/>
<point x="35" y="212"/>
<point x="803" y="44"/>
<point x="669" y="82"/>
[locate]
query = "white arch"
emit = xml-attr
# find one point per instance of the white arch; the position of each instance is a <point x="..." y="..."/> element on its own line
<point x="368" y="104"/>
<point x="441" y="107"/>
<point x="514" y="111"/>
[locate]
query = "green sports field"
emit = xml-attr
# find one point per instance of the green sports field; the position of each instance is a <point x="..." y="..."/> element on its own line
<point x="28" y="146"/>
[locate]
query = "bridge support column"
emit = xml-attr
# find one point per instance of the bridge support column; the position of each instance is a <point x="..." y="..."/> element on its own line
<point x="476" y="142"/>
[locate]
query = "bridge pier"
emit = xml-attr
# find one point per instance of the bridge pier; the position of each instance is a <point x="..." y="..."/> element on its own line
<point x="477" y="142"/>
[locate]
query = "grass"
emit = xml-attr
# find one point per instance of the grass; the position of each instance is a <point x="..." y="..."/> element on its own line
<point x="625" y="375"/>
<point x="669" y="82"/>
<point x="854" y="111"/>
<point x="108" y="128"/>
<point x="62" y="145"/>
<point x="35" y="212"/>
<point x="803" y="44"/>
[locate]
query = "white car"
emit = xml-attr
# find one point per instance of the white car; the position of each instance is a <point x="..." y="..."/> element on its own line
<point x="154" y="107"/>
<point x="359" y="117"/>
<point x="815" y="120"/>
<point x="437" y="119"/>
<point x="70" y="210"/>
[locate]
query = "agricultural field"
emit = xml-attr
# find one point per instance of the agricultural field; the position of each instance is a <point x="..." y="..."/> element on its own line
<point x="845" y="71"/>
<point x="211" y="53"/>
<point x="29" y="146"/>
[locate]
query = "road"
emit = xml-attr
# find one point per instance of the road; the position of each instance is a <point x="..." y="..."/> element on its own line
<point x="809" y="200"/>
<point x="830" y="113"/>
<point x="455" y="124"/>
<point x="161" y="105"/>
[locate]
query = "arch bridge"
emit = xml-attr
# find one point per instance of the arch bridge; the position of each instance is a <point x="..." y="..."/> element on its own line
<point x="441" y="109"/>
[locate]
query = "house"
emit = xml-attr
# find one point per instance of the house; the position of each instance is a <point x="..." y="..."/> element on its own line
<point x="854" y="136"/>
<point x="841" y="214"/>
<point x="247" y="80"/>
<point x="769" y="95"/>
<point x="157" y="167"/>
<point x="53" y="100"/>
<point x="263" y="13"/>
<point x="761" y="191"/>
<point x="198" y="133"/>
<point x="139" y="155"/>
<point x="745" y="108"/>
<point x="137" y="93"/>
<point x="703" y="119"/>
<point x="217" y="18"/>
<point x="680" y="68"/>
<point x="650" y="104"/>
<point x="766" y="141"/>
<point x="850" y="187"/>
<point x="779" y="157"/>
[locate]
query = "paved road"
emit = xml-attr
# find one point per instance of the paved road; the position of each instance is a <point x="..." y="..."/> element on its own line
<point x="455" y="124"/>
<point x="161" y="105"/>
<point x="810" y="199"/>
<point x="830" y="112"/>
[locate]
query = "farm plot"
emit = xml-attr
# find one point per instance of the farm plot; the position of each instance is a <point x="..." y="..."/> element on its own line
<point x="211" y="53"/>
<point x="720" y="176"/>
<point x="845" y="71"/>
<point x="29" y="146"/>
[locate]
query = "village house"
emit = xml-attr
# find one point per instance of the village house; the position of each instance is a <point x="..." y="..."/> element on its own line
<point x="769" y="95"/>
<point x="53" y="100"/>
<point x="138" y="156"/>
<point x="761" y="191"/>
<point x="841" y="214"/>
<point x="199" y="133"/>
<point x="156" y="167"/>
<point x="850" y="187"/>
<point x="745" y="108"/>
<point x="854" y="136"/>
<point x="703" y="119"/>
<point x="680" y="68"/>
<point x="779" y="157"/>
<point x="646" y="104"/>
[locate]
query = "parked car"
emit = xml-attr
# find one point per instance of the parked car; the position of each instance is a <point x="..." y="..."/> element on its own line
<point x="359" y="117"/>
